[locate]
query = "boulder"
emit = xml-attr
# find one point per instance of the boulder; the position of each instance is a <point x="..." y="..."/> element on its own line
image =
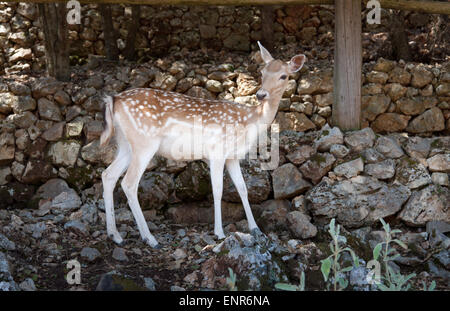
<point x="440" y="179"/>
<point x="400" y="75"/>
<point x="154" y="190"/>
<point x="271" y="215"/>
<point x="316" y="83"/>
<point x="195" y="212"/>
<point x="92" y="153"/>
<point x="48" y="110"/>
<point x="300" y="226"/>
<point x="373" y="105"/>
<point x="37" y="171"/>
<point x="381" y="170"/>
<point x="415" y="105"/>
<point x="390" y="122"/>
<point x="412" y="174"/>
<point x="60" y="196"/>
<point x="417" y="147"/>
<point x="6" y="279"/>
<point x="431" y="120"/>
<point x="428" y="204"/>
<point x="300" y="154"/>
<point x="327" y="137"/>
<point x="251" y="259"/>
<point x="339" y="151"/>
<point x="317" y="166"/>
<point x="384" y="65"/>
<point x="350" y="169"/>
<point x="64" y="152"/>
<point x="194" y="183"/>
<point x="395" y="90"/>
<point x="388" y="147"/>
<point x="421" y="76"/>
<point x="370" y="155"/>
<point x="439" y="163"/>
<point x="357" y="141"/>
<point x="294" y="121"/>
<point x="256" y="180"/>
<point x="358" y="201"/>
<point x="288" y="182"/>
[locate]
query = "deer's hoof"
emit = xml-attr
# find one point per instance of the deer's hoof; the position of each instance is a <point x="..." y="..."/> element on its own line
<point x="117" y="238"/>
<point x="220" y="235"/>
<point x="256" y="232"/>
<point x="152" y="243"/>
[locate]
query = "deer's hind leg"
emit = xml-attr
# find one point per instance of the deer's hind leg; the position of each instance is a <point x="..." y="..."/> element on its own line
<point x="141" y="156"/>
<point x="109" y="180"/>
<point x="216" y="169"/>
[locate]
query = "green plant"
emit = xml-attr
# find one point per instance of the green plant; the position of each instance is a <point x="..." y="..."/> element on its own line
<point x="292" y="287"/>
<point x="332" y="261"/>
<point x="393" y="281"/>
<point x="429" y="289"/>
<point x="231" y="280"/>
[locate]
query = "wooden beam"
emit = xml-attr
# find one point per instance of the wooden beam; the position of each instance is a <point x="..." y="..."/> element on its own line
<point x="431" y="7"/>
<point x="347" y="65"/>
<point x="54" y="26"/>
<point x="196" y="2"/>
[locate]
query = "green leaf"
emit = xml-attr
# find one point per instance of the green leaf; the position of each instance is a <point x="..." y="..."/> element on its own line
<point x="332" y="225"/>
<point x="347" y="269"/>
<point x="325" y="268"/>
<point x="432" y="286"/>
<point x="400" y="243"/>
<point x="383" y="287"/>
<point x="286" y="287"/>
<point x="385" y="225"/>
<point x="377" y="250"/>
<point x="342" y="283"/>
<point x="342" y="239"/>
<point x="302" y="281"/>
<point x="354" y="257"/>
<point x="392" y="257"/>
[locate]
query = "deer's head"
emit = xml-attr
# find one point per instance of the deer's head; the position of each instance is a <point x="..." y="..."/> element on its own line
<point x="275" y="74"/>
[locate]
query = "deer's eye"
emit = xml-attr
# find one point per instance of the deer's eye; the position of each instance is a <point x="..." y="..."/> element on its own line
<point x="283" y="77"/>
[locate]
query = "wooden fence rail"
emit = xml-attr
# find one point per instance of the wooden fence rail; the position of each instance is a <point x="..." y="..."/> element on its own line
<point x="432" y="7"/>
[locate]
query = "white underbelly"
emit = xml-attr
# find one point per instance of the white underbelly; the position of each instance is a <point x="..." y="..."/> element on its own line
<point x="185" y="143"/>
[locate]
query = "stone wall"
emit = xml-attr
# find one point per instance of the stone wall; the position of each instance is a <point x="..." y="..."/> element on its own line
<point x="163" y="29"/>
<point x="50" y="129"/>
<point x="166" y="29"/>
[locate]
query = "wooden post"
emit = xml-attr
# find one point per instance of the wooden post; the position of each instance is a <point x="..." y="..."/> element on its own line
<point x="267" y="20"/>
<point x="112" y="52"/>
<point x="347" y="65"/>
<point x="54" y="25"/>
<point x="130" y="50"/>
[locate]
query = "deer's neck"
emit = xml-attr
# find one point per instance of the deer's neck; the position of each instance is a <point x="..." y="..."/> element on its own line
<point x="267" y="111"/>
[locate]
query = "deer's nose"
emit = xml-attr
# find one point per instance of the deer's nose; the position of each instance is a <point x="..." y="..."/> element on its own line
<point x="261" y="94"/>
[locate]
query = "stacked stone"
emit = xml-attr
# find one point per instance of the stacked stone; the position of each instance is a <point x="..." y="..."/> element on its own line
<point x="162" y="29"/>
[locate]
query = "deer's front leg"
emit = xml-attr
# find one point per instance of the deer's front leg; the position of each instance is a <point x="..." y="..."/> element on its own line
<point x="216" y="167"/>
<point x="234" y="170"/>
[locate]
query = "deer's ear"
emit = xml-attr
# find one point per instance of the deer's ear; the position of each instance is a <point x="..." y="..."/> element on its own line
<point x="265" y="55"/>
<point x="296" y="63"/>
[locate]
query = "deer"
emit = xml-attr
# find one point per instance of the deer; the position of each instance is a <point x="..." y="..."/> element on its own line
<point x="146" y="122"/>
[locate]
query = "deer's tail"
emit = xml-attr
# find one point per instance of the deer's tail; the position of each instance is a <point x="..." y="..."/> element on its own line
<point x="108" y="131"/>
